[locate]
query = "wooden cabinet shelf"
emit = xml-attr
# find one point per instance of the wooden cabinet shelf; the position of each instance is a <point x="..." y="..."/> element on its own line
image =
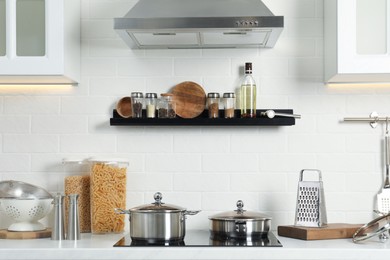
<point x="203" y="120"/>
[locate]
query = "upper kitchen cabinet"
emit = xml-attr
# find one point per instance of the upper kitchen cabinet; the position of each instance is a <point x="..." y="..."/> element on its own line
<point x="39" y="41"/>
<point x="356" y="41"/>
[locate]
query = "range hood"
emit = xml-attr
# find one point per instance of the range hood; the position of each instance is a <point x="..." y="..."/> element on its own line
<point x="187" y="24"/>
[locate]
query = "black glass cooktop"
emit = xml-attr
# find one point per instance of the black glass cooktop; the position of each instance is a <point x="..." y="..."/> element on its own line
<point x="199" y="238"/>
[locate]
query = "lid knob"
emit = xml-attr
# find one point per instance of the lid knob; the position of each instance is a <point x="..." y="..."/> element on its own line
<point x="240" y="206"/>
<point x="157" y="197"/>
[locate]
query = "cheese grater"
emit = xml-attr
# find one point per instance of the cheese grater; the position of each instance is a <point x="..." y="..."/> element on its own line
<point x="310" y="210"/>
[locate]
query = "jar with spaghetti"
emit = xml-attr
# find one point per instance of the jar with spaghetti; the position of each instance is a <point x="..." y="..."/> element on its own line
<point x="77" y="181"/>
<point x="108" y="192"/>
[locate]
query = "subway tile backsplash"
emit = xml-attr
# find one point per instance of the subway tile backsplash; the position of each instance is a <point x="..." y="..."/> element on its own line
<point x="207" y="168"/>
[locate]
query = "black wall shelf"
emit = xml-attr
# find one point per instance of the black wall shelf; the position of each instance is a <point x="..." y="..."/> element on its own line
<point x="203" y="120"/>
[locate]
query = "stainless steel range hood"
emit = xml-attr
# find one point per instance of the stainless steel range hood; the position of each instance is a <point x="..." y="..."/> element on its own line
<point x="162" y="24"/>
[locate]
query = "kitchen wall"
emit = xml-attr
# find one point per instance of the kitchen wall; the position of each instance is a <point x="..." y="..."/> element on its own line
<point x="207" y="168"/>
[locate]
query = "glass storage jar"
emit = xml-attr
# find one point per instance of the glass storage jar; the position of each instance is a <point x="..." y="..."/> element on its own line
<point x="77" y="181"/>
<point x="108" y="191"/>
<point x="213" y="104"/>
<point x="229" y="100"/>
<point x="166" y="106"/>
<point x="150" y="104"/>
<point x="137" y="99"/>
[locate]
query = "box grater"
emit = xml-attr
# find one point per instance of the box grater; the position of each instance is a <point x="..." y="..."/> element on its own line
<point x="310" y="210"/>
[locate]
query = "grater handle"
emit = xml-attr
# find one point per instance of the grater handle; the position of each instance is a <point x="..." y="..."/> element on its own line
<point x="312" y="170"/>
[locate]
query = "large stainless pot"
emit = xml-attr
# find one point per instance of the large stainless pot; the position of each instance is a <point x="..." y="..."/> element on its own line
<point x="157" y="222"/>
<point x="239" y="224"/>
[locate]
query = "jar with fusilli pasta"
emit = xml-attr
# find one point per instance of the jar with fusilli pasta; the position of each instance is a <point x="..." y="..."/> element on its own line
<point x="108" y="192"/>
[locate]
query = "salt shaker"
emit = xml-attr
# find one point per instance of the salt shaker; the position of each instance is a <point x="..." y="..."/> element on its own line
<point x="73" y="218"/>
<point x="58" y="232"/>
<point x="150" y="103"/>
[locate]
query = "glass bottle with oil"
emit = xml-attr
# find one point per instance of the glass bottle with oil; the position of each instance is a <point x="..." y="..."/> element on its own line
<point x="248" y="93"/>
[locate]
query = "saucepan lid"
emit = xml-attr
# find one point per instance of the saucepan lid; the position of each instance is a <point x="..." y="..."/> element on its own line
<point x="157" y="206"/>
<point x="240" y="214"/>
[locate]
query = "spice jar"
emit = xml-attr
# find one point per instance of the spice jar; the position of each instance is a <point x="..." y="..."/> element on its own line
<point x="213" y="104"/>
<point x="137" y="101"/>
<point x="229" y="100"/>
<point x="166" y="106"/>
<point x="150" y="103"/>
<point x="108" y="191"/>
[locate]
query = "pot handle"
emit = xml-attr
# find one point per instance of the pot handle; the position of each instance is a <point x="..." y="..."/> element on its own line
<point x="121" y="211"/>
<point x="191" y="212"/>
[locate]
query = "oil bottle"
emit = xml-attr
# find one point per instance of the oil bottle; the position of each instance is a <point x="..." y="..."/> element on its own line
<point x="248" y="93"/>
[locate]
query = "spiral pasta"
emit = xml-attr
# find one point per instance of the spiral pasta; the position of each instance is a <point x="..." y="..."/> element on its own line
<point x="108" y="191"/>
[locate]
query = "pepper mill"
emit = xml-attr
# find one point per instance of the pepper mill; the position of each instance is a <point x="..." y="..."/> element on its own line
<point x="73" y="218"/>
<point x="58" y="232"/>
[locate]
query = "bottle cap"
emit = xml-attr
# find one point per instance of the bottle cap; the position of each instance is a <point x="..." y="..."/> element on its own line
<point x="248" y="67"/>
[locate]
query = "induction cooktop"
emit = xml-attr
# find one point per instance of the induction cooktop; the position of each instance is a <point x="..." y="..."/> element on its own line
<point x="201" y="238"/>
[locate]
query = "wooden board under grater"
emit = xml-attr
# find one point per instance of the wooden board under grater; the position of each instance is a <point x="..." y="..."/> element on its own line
<point x="330" y="231"/>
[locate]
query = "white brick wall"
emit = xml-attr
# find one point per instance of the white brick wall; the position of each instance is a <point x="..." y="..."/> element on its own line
<point x="207" y="168"/>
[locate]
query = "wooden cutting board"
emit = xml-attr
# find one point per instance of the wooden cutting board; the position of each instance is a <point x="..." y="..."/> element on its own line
<point x="331" y="231"/>
<point x="190" y="99"/>
<point x="5" y="234"/>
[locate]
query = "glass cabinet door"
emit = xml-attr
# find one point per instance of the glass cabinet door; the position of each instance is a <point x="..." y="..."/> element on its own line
<point x="371" y="27"/>
<point x="30" y="28"/>
<point x="2" y="28"/>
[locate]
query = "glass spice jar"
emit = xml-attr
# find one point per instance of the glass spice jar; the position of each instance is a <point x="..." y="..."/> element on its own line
<point x="137" y="103"/>
<point x="229" y="100"/>
<point x="213" y="104"/>
<point x="150" y="104"/>
<point x="166" y="106"/>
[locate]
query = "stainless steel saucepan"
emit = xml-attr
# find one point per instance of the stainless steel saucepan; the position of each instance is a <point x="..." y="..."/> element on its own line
<point x="157" y="222"/>
<point x="239" y="224"/>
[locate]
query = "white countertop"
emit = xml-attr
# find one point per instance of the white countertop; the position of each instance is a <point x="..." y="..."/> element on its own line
<point x="101" y="247"/>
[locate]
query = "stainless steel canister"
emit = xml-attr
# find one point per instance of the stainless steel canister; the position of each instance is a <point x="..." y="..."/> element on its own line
<point x="58" y="232"/>
<point x="73" y="219"/>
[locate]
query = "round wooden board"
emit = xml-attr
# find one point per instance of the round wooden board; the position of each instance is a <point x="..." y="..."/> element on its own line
<point x="190" y="99"/>
<point x="5" y="234"/>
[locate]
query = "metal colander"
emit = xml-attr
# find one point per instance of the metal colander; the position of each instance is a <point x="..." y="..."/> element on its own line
<point x="310" y="209"/>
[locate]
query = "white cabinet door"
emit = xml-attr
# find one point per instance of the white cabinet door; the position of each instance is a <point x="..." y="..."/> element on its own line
<point x="42" y="42"/>
<point x="356" y="41"/>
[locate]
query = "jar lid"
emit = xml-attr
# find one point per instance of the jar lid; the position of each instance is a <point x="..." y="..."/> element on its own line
<point x="151" y="95"/>
<point x="157" y="206"/>
<point x="213" y="95"/>
<point x="229" y="95"/>
<point x="108" y="160"/>
<point x="166" y="94"/>
<point x="137" y="94"/>
<point x="73" y="160"/>
<point x="240" y="214"/>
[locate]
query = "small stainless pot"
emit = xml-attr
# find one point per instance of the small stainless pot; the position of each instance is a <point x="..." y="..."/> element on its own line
<point x="239" y="224"/>
<point x="157" y="222"/>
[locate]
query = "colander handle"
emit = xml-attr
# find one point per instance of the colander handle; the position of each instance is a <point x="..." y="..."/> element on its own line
<point x="312" y="170"/>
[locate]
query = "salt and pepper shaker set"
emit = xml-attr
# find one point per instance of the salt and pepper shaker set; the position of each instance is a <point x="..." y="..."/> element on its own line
<point x="73" y="227"/>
